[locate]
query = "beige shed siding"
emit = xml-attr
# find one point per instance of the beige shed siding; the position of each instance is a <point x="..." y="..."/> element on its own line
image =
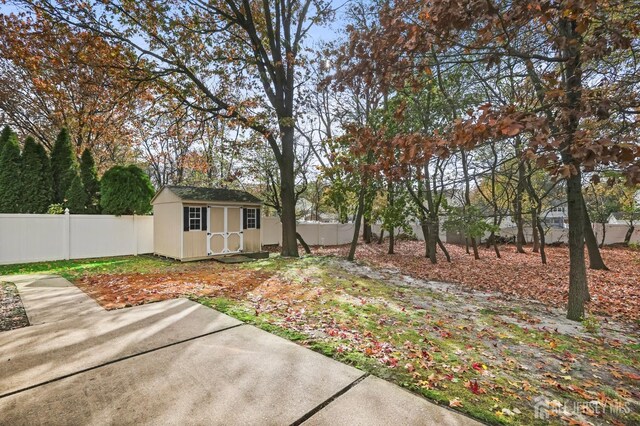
<point x="167" y="229"/>
<point x="166" y="196"/>
<point x="195" y="244"/>
<point x="171" y="240"/>
<point x="252" y="240"/>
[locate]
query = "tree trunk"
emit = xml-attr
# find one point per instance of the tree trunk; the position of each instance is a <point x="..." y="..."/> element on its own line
<point x="629" y="234"/>
<point x="520" y="240"/>
<point x="467" y="199"/>
<point x="366" y="232"/>
<point x="595" y="259"/>
<point x="288" y="195"/>
<point x="392" y="240"/>
<point x="578" y="286"/>
<point x="433" y="228"/>
<point x="577" y="267"/>
<point x="534" y="230"/>
<point x="543" y="254"/>
<point x="604" y="234"/>
<point x="444" y="250"/>
<point x="303" y="242"/>
<point x="425" y="235"/>
<point x="381" y="236"/>
<point x="494" y="241"/>
<point x="356" y="231"/>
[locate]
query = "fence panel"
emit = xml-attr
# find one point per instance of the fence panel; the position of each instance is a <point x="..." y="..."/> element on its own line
<point x="32" y="238"/>
<point x="40" y="237"/>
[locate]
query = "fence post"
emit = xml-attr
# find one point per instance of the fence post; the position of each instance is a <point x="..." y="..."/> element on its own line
<point x="135" y="235"/>
<point x="66" y="237"/>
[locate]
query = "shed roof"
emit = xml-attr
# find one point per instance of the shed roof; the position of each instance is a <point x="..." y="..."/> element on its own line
<point x="195" y="193"/>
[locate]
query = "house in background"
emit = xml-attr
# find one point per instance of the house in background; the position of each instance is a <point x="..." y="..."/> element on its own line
<point x="556" y="217"/>
<point x="193" y="223"/>
<point x="623" y="218"/>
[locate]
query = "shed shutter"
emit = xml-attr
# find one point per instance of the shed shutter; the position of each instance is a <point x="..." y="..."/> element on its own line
<point x="204" y="219"/>
<point x="244" y="218"/>
<point x="185" y="218"/>
<point x="257" y="218"/>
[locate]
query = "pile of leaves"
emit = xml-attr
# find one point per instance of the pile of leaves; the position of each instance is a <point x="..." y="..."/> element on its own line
<point x="12" y="313"/>
<point x="115" y="291"/>
<point x="615" y="293"/>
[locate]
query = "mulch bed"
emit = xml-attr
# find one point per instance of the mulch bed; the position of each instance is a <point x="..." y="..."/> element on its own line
<point x="12" y="313"/>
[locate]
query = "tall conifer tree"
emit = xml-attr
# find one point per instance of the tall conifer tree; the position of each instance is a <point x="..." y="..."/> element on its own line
<point x="64" y="165"/>
<point x="10" y="180"/>
<point x="36" y="192"/>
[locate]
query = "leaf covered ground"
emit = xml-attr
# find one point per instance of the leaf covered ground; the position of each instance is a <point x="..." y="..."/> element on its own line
<point x="492" y="356"/>
<point x="615" y="293"/>
<point x="12" y="313"/>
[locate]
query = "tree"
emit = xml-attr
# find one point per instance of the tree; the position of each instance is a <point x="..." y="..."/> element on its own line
<point x="64" y="165"/>
<point x="90" y="182"/>
<point x="10" y="179"/>
<point x="36" y="174"/>
<point x="468" y="221"/>
<point x="236" y="60"/>
<point x="53" y="75"/>
<point x="125" y="190"/>
<point x="4" y="137"/>
<point x="576" y="57"/>
<point x="76" y="196"/>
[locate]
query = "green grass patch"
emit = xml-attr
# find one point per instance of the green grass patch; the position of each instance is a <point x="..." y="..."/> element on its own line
<point x="72" y="269"/>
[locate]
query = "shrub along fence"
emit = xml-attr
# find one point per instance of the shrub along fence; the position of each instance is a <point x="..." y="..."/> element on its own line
<point x="45" y="237"/>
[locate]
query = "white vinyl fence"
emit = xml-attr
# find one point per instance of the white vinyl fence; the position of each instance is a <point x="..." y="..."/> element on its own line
<point x="44" y="237"/>
<point x="335" y="233"/>
<point x="614" y="234"/>
<point x="313" y="233"/>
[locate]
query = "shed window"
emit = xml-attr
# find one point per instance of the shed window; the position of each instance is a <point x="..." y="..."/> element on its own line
<point x="252" y="220"/>
<point x="195" y="219"/>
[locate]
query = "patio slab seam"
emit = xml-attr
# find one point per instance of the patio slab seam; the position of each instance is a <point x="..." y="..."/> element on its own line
<point x="114" y="361"/>
<point x="328" y="401"/>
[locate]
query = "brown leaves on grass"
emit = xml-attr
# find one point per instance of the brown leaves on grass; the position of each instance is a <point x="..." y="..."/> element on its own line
<point x="615" y="293"/>
<point x="114" y="291"/>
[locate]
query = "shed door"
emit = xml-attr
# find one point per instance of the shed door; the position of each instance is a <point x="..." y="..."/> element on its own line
<point x="224" y="230"/>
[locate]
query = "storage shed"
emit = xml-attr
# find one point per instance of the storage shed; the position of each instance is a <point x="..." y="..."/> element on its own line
<point x="191" y="223"/>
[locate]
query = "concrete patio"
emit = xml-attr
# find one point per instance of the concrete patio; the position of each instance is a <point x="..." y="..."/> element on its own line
<point x="178" y="362"/>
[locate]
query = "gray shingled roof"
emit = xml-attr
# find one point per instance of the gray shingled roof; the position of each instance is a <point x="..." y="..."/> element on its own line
<point x="626" y="216"/>
<point x="195" y="193"/>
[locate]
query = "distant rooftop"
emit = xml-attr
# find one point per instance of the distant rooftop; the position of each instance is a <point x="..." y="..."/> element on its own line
<point x="196" y="193"/>
<point x="626" y="216"/>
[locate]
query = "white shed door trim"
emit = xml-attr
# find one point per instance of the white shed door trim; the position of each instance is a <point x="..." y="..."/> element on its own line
<point x="225" y="233"/>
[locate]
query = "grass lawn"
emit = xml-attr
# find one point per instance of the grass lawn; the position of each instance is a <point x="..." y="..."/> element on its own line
<point x="486" y="354"/>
